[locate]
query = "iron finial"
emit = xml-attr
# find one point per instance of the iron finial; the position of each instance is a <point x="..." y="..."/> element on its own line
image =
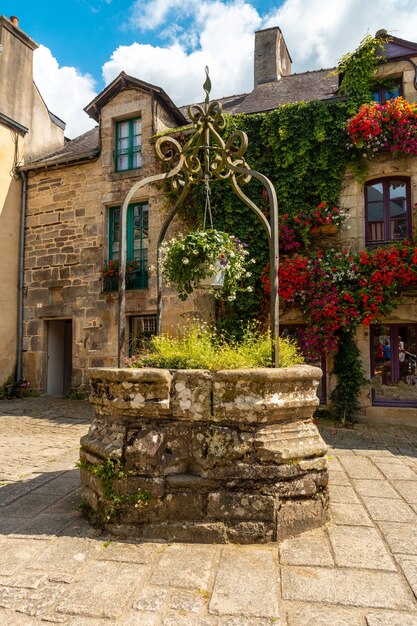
<point x="207" y="85"/>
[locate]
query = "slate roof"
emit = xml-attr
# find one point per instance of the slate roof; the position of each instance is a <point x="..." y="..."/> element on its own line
<point x="316" y="85"/>
<point x="84" y="146"/>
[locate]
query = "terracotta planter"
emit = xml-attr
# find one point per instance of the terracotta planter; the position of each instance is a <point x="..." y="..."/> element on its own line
<point x="324" y="230"/>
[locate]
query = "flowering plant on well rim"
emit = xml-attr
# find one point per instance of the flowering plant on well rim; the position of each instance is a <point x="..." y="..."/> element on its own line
<point x="385" y="127"/>
<point x="187" y="259"/>
<point x="111" y="268"/>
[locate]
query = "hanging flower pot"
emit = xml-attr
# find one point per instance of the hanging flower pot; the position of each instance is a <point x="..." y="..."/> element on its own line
<point x="210" y="259"/>
<point x="213" y="280"/>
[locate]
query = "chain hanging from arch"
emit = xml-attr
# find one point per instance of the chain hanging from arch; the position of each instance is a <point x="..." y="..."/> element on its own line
<point x="207" y="208"/>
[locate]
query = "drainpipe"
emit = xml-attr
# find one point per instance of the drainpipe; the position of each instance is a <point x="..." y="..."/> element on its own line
<point x="21" y="279"/>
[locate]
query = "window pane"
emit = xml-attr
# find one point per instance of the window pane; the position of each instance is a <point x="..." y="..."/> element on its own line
<point x="137" y="127"/>
<point x="398" y="210"/>
<point x="142" y="328"/>
<point x="123" y="162"/>
<point x="123" y="144"/>
<point x="128" y="145"/>
<point x="387" y="218"/>
<point x="123" y="130"/>
<point x="137" y="160"/>
<point x="394" y="354"/>
<point x="375" y="212"/>
<point x="393" y="93"/>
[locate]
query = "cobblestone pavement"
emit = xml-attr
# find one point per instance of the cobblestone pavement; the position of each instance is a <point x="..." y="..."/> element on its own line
<point x="361" y="570"/>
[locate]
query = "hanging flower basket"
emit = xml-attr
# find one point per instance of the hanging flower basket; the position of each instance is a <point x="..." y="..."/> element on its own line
<point x="208" y="259"/>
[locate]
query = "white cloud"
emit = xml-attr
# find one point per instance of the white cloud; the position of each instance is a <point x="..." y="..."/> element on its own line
<point x="319" y="32"/>
<point x="221" y="35"/>
<point x="152" y="14"/>
<point x="65" y="91"/>
<point x="224" y="41"/>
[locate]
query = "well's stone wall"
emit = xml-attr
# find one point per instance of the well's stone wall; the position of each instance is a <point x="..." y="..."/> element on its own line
<point x="221" y="456"/>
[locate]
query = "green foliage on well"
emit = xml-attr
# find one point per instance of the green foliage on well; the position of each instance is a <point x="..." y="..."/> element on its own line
<point x="110" y="471"/>
<point x="201" y="347"/>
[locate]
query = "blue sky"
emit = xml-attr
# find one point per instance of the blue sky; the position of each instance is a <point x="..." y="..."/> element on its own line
<point x="84" y="44"/>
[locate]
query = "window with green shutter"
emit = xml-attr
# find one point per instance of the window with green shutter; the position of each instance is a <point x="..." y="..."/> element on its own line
<point x="137" y="241"/>
<point x="128" y="152"/>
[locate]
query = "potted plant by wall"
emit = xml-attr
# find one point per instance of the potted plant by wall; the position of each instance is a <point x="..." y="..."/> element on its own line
<point x="136" y="275"/>
<point x="110" y="274"/>
<point x="209" y="259"/>
<point x="326" y="220"/>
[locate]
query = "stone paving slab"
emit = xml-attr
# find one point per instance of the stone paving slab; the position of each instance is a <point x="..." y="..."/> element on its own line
<point x="359" y="570"/>
<point x="93" y="595"/>
<point x="408" y="565"/>
<point x="407" y="489"/>
<point x="375" y="489"/>
<point x="391" y="619"/>
<point x="311" y="548"/>
<point x="389" y="510"/>
<point x="349" y="514"/>
<point x="255" y="595"/>
<point x="346" y="586"/>
<point x="361" y="547"/>
<point x="186" y="566"/>
<point x="313" y="615"/>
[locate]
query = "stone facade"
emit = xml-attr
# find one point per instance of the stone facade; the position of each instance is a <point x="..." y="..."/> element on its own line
<point x="27" y="131"/>
<point x="222" y="456"/>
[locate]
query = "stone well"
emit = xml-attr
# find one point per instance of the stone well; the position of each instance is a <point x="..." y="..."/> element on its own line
<point x="221" y="456"/>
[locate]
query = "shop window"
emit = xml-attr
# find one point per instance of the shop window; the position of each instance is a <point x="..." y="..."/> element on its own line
<point x="141" y="329"/>
<point x="294" y="332"/>
<point x="394" y="364"/>
<point x="393" y="90"/>
<point x="128" y="145"/>
<point x="387" y="210"/>
<point x="137" y="242"/>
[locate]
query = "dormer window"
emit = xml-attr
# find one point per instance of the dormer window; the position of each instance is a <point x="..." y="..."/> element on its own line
<point x="128" y="152"/>
<point x="389" y="91"/>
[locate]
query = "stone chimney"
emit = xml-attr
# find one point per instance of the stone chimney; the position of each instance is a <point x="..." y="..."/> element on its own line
<point x="272" y="59"/>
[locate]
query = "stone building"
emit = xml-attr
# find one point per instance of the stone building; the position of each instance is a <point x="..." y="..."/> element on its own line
<point x="72" y="225"/>
<point x="27" y="131"/>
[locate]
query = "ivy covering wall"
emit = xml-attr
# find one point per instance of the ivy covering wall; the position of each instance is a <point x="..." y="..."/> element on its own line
<point x="302" y="149"/>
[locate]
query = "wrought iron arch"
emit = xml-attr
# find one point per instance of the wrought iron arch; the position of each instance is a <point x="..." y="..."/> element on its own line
<point x="204" y="155"/>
